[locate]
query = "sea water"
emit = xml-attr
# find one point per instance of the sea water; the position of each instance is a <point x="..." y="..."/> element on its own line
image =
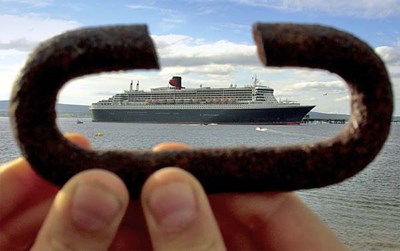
<point x="364" y="211"/>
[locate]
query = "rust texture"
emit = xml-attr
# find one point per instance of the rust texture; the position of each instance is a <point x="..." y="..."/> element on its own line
<point x="242" y="169"/>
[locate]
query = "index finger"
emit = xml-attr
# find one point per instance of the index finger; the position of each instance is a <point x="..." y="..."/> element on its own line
<point x="18" y="182"/>
<point x="170" y="146"/>
<point x="271" y="221"/>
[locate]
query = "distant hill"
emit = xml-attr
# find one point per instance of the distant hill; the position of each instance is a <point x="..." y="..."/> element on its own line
<point x="319" y="115"/>
<point x="3" y="105"/>
<point x="63" y="110"/>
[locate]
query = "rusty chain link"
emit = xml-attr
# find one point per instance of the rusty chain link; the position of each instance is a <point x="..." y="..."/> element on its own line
<point x="244" y="169"/>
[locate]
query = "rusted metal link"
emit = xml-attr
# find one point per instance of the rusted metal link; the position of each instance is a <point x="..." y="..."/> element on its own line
<point x="243" y="169"/>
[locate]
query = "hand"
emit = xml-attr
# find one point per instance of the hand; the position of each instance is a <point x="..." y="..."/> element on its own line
<point x="92" y="211"/>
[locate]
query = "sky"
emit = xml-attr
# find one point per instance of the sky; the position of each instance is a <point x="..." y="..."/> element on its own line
<point x="207" y="42"/>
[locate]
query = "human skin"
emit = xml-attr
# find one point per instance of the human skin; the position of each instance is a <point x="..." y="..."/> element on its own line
<point x="174" y="213"/>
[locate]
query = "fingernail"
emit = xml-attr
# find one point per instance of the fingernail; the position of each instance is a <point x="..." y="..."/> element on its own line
<point x="94" y="207"/>
<point x="173" y="206"/>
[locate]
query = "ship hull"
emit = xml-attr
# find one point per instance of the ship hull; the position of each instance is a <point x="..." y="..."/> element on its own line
<point x="283" y="115"/>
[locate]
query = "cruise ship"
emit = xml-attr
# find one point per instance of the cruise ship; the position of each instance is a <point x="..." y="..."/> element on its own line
<point x="252" y="104"/>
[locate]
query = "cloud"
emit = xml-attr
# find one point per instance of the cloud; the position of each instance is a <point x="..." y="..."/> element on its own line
<point x="18" y="45"/>
<point x="106" y="93"/>
<point x="395" y="74"/>
<point x="344" y="98"/>
<point x="151" y="7"/>
<point x="33" y="3"/>
<point x="333" y="86"/>
<point x="361" y="8"/>
<point x="388" y="54"/>
<point x="185" y="51"/>
<point x="171" y="22"/>
<point x="27" y="30"/>
<point x="169" y="18"/>
<point x="234" y="27"/>
<point x="19" y="35"/>
<point x="211" y="69"/>
<point x="142" y="7"/>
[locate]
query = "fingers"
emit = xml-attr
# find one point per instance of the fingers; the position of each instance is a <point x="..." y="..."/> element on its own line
<point x="16" y="180"/>
<point x="85" y="214"/>
<point x="178" y="214"/>
<point x="167" y="146"/>
<point x="177" y="210"/>
<point x="78" y="139"/>
<point x="271" y="221"/>
<point x="308" y="232"/>
<point x="17" y="176"/>
<point x="25" y="199"/>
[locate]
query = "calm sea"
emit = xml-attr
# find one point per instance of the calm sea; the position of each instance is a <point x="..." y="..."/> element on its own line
<point x="364" y="211"/>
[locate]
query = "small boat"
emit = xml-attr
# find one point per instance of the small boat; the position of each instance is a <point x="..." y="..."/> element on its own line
<point x="99" y="134"/>
<point x="261" y="129"/>
<point x="79" y="121"/>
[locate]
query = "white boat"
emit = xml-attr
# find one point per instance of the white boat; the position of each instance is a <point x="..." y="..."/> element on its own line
<point x="261" y="129"/>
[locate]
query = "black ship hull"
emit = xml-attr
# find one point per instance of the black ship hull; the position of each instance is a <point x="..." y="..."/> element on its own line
<point x="282" y="115"/>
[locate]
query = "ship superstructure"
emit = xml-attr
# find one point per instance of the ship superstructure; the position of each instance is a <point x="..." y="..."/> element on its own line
<point x="175" y="104"/>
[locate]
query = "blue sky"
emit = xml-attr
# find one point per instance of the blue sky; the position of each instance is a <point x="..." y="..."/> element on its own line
<point x="206" y="42"/>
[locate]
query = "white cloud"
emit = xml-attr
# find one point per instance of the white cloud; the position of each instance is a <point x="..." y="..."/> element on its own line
<point x="21" y="44"/>
<point x="151" y="7"/>
<point x="169" y="18"/>
<point x="5" y="52"/>
<point x="185" y="51"/>
<point x="344" y="98"/>
<point x="359" y="8"/>
<point x="9" y="68"/>
<point x="27" y="30"/>
<point x="21" y="35"/>
<point x="210" y="69"/>
<point x="33" y="3"/>
<point x="233" y="27"/>
<point x="388" y="54"/>
<point x="391" y="56"/>
<point x="335" y="86"/>
<point x="142" y="7"/>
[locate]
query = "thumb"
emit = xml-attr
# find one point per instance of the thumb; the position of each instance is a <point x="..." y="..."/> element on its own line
<point x="178" y="214"/>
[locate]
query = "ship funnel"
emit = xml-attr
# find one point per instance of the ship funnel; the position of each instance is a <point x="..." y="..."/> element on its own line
<point x="176" y="81"/>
